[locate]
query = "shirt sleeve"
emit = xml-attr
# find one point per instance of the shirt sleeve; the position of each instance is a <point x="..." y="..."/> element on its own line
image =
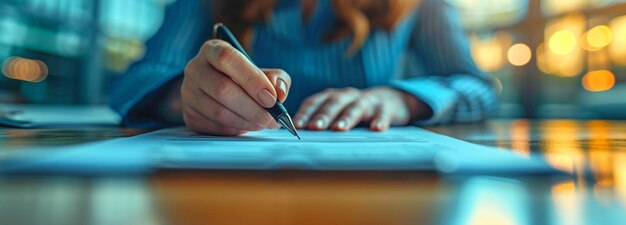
<point x="185" y="26"/>
<point x="453" y="86"/>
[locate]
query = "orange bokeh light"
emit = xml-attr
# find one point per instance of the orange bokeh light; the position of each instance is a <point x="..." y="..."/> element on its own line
<point x="19" y="68"/>
<point x="598" y="80"/>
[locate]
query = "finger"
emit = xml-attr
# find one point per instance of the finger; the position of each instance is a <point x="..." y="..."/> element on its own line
<point x="281" y="81"/>
<point x="308" y="107"/>
<point x="200" y="124"/>
<point x="328" y="111"/>
<point x="371" y="110"/>
<point x="225" y="91"/>
<point x="235" y="65"/>
<point x="351" y="115"/>
<point x="217" y="112"/>
<point x="382" y="118"/>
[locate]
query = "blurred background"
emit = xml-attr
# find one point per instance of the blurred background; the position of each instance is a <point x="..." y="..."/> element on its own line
<point x="551" y="58"/>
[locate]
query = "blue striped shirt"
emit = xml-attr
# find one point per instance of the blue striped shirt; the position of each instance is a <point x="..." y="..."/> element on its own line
<point x="427" y="55"/>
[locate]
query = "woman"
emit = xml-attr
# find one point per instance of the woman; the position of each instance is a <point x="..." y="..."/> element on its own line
<point x="337" y="63"/>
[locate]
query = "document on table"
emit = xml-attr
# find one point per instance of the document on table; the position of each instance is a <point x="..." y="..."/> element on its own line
<point x="405" y="148"/>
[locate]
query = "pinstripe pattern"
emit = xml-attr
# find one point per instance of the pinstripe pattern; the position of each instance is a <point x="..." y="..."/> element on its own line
<point x="426" y="55"/>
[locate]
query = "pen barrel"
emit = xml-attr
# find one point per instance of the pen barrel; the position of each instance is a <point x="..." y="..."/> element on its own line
<point x="223" y="33"/>
<point x="277" y="110"/>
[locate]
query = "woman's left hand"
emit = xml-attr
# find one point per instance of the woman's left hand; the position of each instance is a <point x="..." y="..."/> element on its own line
<point x="343" y="109"/>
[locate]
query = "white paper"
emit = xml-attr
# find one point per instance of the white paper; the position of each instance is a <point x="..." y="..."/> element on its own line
<point x="402" y="148"/>
<point x="399" y="148"/>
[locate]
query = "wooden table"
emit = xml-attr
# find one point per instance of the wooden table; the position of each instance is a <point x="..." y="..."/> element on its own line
<point x="593" y="151"/>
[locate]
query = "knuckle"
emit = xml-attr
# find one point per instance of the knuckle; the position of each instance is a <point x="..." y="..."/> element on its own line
<point x="365" y="101"/>
<point x="362" y="103"/>
<point x="221" y="114"/>
<point x="223" y="90"/>
<point x="309" y="101"/>
<point x="206" y="45"/>
<point x="224" y="55"/>
<point x="188" y="69"/>
<point x="335" y="99"/>
<point x="210" y="43"/>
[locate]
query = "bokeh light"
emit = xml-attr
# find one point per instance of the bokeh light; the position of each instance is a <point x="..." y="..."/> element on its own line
<point x="599" y="36"/>
<point x="562" y="55"/>
<point x="519" y="54"/>
<point x="598" y="80"/>
<point x="489" y="52"/>
<point x="24" y="69"/>
<point x="562" y="42"/>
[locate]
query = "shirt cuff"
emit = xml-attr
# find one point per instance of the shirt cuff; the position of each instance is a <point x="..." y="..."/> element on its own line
<point x="131" y="95"/>
<point x="436" y="95"/>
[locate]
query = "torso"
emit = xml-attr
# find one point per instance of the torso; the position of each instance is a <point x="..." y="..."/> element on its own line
<point x="314" y="65"/>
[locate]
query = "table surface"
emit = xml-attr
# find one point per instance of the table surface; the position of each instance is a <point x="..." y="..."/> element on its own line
<point x="593" y="151"/>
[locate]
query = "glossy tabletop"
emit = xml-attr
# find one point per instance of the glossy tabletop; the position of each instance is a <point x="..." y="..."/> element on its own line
<point x="593" y="152"/>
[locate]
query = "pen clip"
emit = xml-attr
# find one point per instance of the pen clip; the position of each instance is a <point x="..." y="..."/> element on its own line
<point x="220" y="31"/>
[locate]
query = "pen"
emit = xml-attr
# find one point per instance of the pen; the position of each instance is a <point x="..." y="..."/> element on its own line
<point x="278" y="111"/>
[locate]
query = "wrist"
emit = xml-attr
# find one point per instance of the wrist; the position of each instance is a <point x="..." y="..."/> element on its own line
<point x="418" y="109"/>
<point x="169" y="107"/>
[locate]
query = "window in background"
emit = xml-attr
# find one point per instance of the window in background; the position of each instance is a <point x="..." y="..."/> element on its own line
<point x="78" y="42"/>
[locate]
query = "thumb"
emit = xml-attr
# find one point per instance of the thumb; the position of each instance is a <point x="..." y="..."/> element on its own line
<point x="281" y="82"/>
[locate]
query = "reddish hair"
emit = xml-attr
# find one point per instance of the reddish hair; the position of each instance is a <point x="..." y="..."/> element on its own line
<point x="356" y="17"/>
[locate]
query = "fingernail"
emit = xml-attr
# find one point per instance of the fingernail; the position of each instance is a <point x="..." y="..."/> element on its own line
<point x="319" y="123"/>
<point x="282" y="85"/>
<point x="341" y="124"/>
<point x="275" y="125"/>
<point x="300" y="123"/>
<point x="380" y="125"/>
<point x="267" y="99"/>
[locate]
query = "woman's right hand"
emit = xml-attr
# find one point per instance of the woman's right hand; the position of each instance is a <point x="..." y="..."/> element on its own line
<point x="223" y="93"/>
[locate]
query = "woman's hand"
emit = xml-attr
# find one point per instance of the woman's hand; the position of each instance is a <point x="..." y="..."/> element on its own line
<point x="223" y="93"/>
<point x="343" y="109"/>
